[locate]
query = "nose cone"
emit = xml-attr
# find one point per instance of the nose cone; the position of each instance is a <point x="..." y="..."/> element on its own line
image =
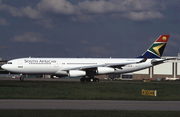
<point x="4" y="67"/>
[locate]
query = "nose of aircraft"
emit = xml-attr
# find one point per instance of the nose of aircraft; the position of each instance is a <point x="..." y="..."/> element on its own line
<point x="4" y="66"/>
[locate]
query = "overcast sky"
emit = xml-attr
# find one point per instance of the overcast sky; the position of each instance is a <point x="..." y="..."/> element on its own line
<point x="87" y="28"/>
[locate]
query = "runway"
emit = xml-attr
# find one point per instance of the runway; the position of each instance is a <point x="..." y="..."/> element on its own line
<point x="90" y="105"/>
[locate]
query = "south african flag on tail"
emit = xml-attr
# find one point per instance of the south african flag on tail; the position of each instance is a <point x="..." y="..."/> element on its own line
<point x="157" y="48"/>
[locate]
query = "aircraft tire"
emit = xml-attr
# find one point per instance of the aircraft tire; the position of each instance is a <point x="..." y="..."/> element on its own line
<point x="96" y="80"/>
<point x="89" y="80"/>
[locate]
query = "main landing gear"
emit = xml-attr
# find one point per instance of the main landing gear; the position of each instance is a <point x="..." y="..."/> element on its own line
<point x="91" y="79"/>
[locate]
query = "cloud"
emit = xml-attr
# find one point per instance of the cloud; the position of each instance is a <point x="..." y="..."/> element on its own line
<point x="68" y="50"/>
<point x="3" y="22"/>
<point x="21" y="12"/>
<point x="57" y="6"/>
<point x="31" y="13"/>
<point x="137" y="10"/>
<point x="87" y="10"/>
<point x="98" y="6"/>
<point x="30" y="37"/>
<point x="139" y="16"/>
<point x="84" y="42"/>
<point x="44" y="22"/>
<point x="98" y="50"/>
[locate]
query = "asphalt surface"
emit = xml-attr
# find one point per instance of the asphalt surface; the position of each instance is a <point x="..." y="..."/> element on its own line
<point x="91" y="105"/>
<point x="40" y="79"/>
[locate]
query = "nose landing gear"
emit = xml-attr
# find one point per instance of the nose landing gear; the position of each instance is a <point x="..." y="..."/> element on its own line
<point x="21" y="77"/>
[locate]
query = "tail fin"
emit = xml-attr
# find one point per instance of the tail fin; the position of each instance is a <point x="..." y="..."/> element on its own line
<point x="157" y="48"/>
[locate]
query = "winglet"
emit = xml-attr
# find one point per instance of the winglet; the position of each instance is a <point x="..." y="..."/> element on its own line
<point x="157" y="48"/>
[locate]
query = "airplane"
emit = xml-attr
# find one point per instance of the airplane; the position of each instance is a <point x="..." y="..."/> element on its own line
<point x="87" y="68"/>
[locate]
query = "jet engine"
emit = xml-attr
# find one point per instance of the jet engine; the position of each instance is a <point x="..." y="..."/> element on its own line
<point x="76" y="73"/>
<point x="104" y="70"/>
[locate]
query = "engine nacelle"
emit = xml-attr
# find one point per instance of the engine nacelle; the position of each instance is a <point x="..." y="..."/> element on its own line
<point x="76" y="73"/>
<point x="105" y="70"/>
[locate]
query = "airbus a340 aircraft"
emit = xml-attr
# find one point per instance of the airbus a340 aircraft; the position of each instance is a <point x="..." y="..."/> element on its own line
<point x="83" y="67"/>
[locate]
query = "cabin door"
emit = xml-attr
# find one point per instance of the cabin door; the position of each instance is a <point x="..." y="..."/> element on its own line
<point x="20" y="64"/>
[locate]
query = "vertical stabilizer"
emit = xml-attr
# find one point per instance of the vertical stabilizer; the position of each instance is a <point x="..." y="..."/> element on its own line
<point x="157" y="48"/>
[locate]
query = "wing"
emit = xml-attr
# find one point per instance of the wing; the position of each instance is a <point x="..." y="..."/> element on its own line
<point x="113" y="65"/>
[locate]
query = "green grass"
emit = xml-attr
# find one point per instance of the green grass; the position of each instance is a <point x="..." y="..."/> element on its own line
<point x="86" y="113"/>
<point x="87" y="91"/>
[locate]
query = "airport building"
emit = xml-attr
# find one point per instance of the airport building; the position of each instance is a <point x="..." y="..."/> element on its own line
<point x="169" y="69"/>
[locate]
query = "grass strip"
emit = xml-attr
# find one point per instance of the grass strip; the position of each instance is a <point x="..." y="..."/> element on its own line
<point x="87" y="91"/>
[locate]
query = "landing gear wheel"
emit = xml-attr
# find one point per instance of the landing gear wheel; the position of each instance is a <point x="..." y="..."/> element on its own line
<point x="89" y="80"/>
<point x="96" y="80"/>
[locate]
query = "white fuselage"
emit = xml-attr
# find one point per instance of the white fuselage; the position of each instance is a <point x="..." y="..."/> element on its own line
<point x="67" y="66"/>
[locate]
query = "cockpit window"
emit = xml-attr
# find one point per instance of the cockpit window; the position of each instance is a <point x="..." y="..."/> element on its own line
<point x="9" y="62"/>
